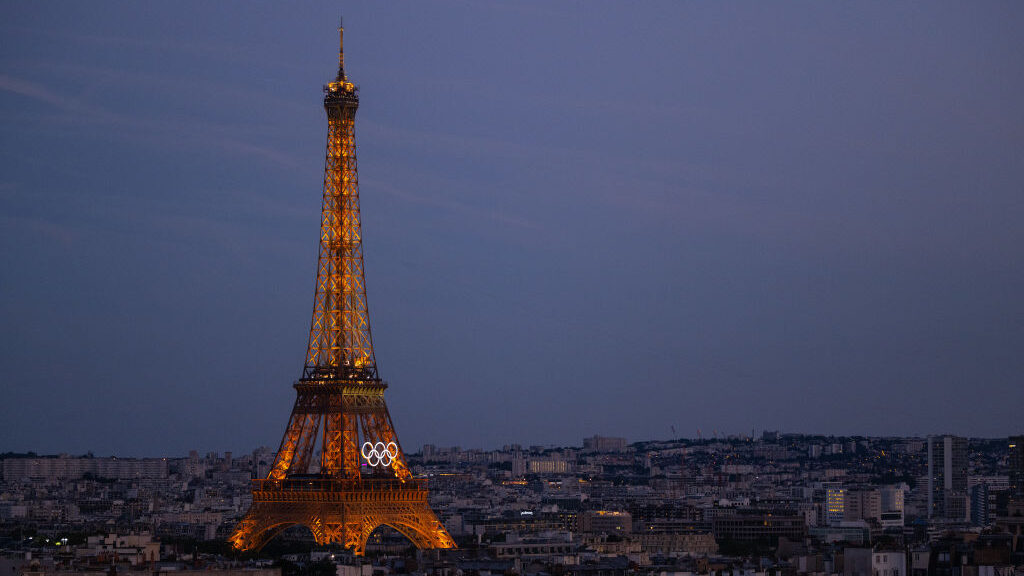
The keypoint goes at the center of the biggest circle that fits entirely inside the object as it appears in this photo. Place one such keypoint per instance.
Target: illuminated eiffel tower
(361, 480)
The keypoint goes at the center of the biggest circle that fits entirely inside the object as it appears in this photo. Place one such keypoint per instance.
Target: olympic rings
(379, 454)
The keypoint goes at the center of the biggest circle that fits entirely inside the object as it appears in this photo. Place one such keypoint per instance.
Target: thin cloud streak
(140, 128)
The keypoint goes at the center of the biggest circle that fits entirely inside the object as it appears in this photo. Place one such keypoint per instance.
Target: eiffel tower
(360, 479)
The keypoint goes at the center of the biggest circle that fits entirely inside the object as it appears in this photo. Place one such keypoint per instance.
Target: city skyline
(614, 220)
(577, 445)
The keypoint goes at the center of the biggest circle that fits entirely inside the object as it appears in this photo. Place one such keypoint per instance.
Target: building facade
(947, 477)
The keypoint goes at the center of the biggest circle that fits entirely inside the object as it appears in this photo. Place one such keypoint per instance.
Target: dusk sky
(578, 218)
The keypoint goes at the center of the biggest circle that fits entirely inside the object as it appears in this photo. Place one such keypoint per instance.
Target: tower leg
(348, 524)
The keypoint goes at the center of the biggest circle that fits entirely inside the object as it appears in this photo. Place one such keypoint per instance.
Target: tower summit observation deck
(340, 470)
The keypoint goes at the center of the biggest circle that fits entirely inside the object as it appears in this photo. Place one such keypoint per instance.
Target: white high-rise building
(947, 477)
(892, 505)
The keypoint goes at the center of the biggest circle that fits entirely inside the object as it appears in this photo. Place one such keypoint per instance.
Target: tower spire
(341, 50)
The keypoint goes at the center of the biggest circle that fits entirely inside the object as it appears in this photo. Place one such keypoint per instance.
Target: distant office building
(518, 465)
(995, 483)
(604, 444)
(678, 544)
(193, 466)
(947, 477)
(759, 526)
(979, 495)
(853, 533)
(548, 466)
(835, 503)
(891, 497)
(891, 500)
(56, 469)
(606, 521)
(262, 460)
(1016, 446)
(864, 504)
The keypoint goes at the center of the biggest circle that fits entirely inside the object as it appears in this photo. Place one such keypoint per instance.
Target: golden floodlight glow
(362, 480)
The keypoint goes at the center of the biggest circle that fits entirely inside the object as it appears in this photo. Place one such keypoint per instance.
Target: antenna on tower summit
(341, 50)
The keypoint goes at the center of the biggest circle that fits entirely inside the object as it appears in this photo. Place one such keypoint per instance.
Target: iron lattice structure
(360, 480)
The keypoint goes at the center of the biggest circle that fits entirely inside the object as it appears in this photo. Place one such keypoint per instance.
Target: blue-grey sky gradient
(579, 218)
